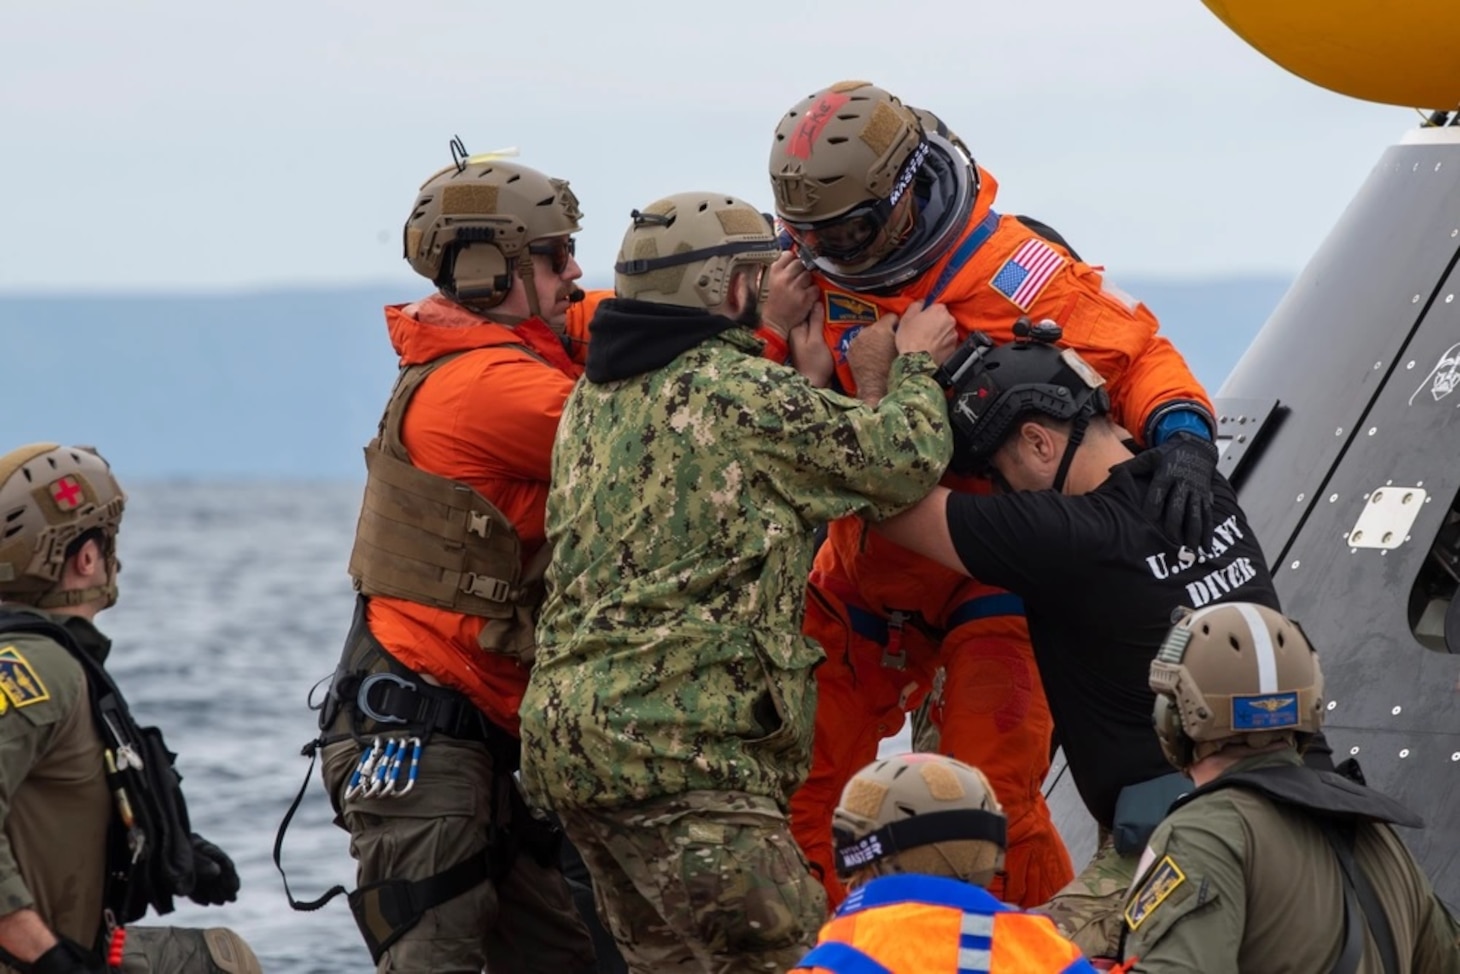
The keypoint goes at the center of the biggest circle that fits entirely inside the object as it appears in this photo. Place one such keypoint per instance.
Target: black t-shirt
(1100, 583)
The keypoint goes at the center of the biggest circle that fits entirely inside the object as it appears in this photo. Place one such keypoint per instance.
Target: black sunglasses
(560, 250)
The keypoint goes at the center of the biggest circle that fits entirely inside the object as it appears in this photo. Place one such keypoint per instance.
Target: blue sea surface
(234, 602)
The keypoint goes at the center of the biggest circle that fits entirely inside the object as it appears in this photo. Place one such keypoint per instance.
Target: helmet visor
(845, 238)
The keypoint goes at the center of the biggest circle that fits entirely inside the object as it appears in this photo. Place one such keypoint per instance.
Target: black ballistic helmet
(1028, 375)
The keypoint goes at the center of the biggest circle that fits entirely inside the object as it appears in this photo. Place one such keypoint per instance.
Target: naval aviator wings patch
(19, 683)
(1266, 710)
(1160, 883)
(848, 309)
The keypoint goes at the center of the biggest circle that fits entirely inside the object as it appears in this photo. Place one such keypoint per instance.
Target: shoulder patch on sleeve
(1161, 882)
(20, 685)
(1023, 276)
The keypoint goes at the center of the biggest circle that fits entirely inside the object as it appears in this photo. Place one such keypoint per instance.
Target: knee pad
(230, 953)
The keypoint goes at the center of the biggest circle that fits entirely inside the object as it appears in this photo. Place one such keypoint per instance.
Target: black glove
(1180, 498)
(215, 881)
(68, 957)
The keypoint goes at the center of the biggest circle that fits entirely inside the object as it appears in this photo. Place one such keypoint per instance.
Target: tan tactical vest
(437, 541)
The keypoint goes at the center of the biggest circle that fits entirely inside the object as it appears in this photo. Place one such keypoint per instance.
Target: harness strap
(312, 751)
(870, 624)
(1358, 891)
(986, 607)
(387, 703)
(963, 254)
(395, 700)
(386, 911)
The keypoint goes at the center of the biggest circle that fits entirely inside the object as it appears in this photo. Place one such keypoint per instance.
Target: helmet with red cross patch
(52, 497)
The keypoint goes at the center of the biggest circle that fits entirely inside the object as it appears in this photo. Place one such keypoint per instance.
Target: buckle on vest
(362, 697)
(893, 655)
(478, 524)
(485, 587)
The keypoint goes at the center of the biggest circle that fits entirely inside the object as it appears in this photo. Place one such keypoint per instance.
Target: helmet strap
(79, 596)
(1077, 436)
(57, 599)
(527, 274)
(920, 830)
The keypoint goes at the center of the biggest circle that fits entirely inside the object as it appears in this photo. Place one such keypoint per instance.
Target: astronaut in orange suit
(884, 207)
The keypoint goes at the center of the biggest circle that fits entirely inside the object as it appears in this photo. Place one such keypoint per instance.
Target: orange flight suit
(889, 619)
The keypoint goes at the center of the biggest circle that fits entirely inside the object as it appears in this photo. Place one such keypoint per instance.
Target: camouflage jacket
(682, 510)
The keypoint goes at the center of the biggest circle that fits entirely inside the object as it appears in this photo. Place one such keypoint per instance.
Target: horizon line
(288, 288)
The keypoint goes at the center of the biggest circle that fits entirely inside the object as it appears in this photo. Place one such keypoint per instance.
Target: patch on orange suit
(1024, 275)
(846, 309)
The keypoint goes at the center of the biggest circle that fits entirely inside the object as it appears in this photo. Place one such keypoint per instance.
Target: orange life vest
(933, 925)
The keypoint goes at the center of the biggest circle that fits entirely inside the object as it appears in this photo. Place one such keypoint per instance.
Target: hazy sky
(191, 144)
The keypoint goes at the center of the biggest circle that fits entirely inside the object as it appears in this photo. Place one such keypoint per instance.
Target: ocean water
(234, 603)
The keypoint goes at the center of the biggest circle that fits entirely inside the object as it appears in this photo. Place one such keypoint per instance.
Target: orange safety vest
(933, 925)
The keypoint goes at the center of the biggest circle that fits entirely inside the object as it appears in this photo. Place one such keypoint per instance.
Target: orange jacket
(487, 418)
(1015, 272)
(932, 925)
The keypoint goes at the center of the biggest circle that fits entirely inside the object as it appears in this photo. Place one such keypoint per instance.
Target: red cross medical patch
(67, 493)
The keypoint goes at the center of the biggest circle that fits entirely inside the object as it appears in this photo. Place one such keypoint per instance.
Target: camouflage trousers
(1088, 911)
(523, 923)
(182, 950)
(700, 883)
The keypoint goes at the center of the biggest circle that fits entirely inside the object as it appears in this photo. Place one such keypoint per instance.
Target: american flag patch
(1025, 274)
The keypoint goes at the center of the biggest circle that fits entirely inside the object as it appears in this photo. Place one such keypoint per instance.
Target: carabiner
(360, 778)
(415, 765)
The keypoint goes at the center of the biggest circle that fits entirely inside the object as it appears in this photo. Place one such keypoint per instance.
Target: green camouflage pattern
(1087, 911)
(708, 881)
(682, 512)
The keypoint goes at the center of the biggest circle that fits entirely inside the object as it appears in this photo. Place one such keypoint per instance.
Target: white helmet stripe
(1267, 681)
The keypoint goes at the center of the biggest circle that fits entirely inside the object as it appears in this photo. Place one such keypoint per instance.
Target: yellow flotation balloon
(1396, 52)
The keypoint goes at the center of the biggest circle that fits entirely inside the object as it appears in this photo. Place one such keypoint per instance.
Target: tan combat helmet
(50, 495)
(845, 166)
(1234, 673)
(473, 220)
(919, 813)
(684, 249)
